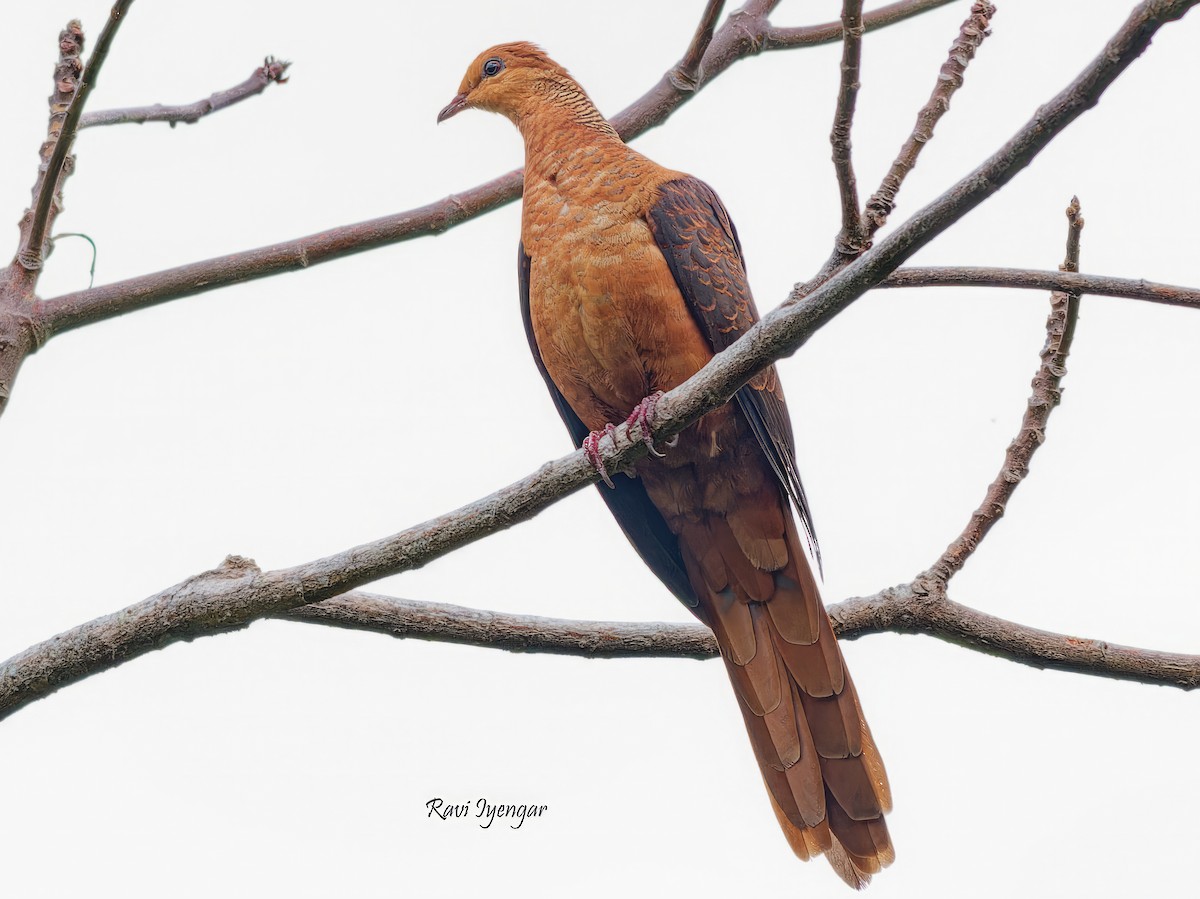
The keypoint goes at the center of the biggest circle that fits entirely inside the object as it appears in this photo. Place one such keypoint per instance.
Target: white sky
(292, 417)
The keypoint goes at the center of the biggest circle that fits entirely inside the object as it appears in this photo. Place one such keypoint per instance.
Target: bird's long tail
(822, 770)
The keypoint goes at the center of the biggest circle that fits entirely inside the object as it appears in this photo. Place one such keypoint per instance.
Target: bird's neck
(560, 120)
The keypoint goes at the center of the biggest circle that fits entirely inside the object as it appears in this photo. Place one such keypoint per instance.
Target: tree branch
(689, 72)
(238, 592)
(19, 333)
(777, 38)
(66, 82)
(1031, 279)
(446, 623)
(894, 610)
(850, 239)
(272, 71)
(30, 257)
(1060, 329)
(902, 610)
(950, 79)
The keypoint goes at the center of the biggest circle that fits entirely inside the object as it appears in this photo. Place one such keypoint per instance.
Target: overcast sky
(289, 418)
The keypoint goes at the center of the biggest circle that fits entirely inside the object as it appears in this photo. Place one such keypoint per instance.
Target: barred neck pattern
(558, 107)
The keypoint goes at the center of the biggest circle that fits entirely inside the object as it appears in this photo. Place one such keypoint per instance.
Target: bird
(631, 278)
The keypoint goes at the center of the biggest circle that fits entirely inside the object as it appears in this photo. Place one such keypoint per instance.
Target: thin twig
(970, 36)
(1032, 279)
(237, 593)
(272, 71)
(850, 239)
(66, 82)
(950, 79)
(1047, 393)
(777, 38)
(30, 257)
(688, 74)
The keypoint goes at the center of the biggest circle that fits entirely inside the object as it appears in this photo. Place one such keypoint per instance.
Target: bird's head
(506, 79)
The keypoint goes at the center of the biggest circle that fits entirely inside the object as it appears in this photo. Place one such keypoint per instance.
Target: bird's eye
(492, 67)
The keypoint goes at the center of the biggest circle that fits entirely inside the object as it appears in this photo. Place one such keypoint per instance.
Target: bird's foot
(642, 417)
(591, 449)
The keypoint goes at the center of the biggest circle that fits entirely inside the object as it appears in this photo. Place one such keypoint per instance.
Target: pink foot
(643, 417)
(591, 449)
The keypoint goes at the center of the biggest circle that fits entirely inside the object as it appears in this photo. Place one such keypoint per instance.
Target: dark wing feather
(642, 523)
(701, 246)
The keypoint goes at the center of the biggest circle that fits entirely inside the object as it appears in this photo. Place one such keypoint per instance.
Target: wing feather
(701, 246)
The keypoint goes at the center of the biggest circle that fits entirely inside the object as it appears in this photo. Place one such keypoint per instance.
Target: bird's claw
(642, 416)
(591, 449)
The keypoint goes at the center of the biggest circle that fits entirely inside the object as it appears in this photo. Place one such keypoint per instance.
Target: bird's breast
(609, 320)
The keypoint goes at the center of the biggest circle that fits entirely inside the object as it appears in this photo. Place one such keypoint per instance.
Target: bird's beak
(455, 106)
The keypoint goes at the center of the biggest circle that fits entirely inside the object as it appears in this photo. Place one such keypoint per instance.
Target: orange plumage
(631, 278)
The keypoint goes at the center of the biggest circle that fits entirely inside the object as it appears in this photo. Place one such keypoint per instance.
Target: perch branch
(850, 239)
(1047, 393)
(238, 592)
(272, 71)
(30, 257)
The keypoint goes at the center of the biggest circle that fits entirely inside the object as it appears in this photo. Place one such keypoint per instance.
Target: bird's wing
(701, 246)
(642, 523)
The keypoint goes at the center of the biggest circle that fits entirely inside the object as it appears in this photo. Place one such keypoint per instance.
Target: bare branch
(445, 623)
(17, 336)
(777, 38)
(272, 71)
(30, 257)
(1031, 279)
(850, 240)
(894, 610)
(68, 658)
(902, 610)
(688, 73)
(1060, 328)
(950, 79)
(66, 81)
(20, 335)
(1047, 395)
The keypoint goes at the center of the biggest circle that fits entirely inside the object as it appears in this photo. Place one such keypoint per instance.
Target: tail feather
(823, 773)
